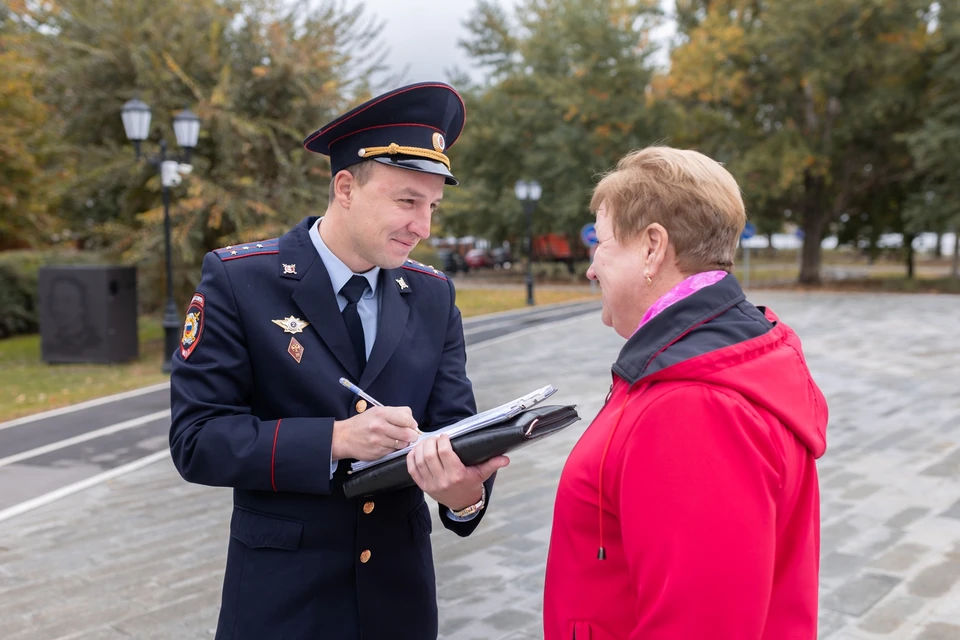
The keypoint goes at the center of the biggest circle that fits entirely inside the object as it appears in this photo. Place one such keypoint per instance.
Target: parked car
(502, 258)
(478, 259)
(452, 262)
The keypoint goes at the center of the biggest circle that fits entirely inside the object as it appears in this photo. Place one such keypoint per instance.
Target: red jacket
(697, 482)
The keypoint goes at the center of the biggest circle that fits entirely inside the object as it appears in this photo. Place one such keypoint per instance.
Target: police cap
(410, 128)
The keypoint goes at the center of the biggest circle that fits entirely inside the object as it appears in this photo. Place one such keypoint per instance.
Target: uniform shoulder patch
(413, 265)
(192, 326)
(256, 248)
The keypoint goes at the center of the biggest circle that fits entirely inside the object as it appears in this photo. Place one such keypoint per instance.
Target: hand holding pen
(375, 432)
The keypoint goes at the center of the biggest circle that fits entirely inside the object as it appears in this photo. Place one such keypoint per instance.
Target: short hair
(361, 172)
(696, 200)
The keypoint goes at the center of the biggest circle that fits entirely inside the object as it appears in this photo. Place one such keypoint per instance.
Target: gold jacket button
(368, 507)
(361, 405)
(365, 556)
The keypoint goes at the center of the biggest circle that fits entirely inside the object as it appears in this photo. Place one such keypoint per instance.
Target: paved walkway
(142, 556)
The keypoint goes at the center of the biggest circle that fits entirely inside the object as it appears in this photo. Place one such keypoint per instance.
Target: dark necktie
(353, 291)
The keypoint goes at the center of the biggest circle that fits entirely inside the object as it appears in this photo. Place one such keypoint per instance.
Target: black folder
(474, 447)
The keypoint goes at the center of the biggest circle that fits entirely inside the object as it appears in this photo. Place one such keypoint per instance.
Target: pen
(360, 392)
(363, 394)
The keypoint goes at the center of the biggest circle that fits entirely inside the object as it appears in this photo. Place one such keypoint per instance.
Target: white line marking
(84, 405)
(63, 492)
(526, 332)
(543, 315)
(83, 437)
(76, 487)
(523, 311)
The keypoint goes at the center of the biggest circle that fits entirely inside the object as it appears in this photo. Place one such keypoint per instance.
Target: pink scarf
(690, 285)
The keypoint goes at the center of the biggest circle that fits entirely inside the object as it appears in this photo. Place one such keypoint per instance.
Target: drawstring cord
(602, 552)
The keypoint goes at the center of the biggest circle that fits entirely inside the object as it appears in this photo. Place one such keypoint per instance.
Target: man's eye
(408, 202)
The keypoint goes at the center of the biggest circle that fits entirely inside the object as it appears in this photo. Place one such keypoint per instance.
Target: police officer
(257, 406)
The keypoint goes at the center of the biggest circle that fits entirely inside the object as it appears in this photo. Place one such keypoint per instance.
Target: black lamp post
(186, 126)
(528, 193)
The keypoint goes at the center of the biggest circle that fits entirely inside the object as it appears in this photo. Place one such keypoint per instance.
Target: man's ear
(344, 188)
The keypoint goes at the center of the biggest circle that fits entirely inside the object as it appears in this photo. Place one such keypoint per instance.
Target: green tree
(805, 98)
(261, 74)
(567, 96)
(935, 144)
(24, 142)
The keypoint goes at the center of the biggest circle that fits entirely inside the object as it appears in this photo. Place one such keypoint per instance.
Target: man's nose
(591, 274)
(420, 225)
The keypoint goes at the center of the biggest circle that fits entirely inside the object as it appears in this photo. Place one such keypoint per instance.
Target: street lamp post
(186, 126)
(528, 193)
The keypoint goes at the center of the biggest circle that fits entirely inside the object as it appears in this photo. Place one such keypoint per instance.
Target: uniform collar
(340, 273)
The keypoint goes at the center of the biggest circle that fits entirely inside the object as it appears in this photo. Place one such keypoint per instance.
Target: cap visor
(421, 165)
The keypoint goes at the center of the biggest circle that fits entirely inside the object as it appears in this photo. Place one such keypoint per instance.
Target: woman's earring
(647, 276)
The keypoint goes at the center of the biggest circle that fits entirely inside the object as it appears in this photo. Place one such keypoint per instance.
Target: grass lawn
(476, 302)
(898, 284)
(29, 385)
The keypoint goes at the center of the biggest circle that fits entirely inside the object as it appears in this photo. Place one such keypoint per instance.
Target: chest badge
(403, 284)
(291, 324)
(289, 269)
(295, 349)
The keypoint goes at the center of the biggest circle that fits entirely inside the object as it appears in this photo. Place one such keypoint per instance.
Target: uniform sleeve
(700, 479)
(214, 438)
(452, 400)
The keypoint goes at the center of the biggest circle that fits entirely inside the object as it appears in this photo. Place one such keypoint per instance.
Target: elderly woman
(689, 509)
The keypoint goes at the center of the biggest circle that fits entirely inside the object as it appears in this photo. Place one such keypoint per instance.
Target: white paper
(474, 422)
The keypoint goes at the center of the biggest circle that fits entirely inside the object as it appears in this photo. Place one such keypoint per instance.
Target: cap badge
(439, 144)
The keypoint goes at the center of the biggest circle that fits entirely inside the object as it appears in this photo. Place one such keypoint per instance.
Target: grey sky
(424, 33)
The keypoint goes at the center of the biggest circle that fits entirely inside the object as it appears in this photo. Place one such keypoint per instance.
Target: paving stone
(511, 619)
(907, 517)
(937, 580)
(856, 596)
(888, 618)
(834, 535)
(830, 623)
(142, 556)
(948, 467)
(860, 491)
(840, 564)
(900, 558)
(940, 631)
(953, 511)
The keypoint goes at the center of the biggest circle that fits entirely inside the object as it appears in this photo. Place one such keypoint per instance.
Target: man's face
(391, 213)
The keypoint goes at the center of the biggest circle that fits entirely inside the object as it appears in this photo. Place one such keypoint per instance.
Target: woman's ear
(654, 242)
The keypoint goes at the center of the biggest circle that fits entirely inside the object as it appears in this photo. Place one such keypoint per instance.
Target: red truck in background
(551, 246)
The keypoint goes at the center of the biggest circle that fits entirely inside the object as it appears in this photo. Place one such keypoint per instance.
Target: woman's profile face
(618, 269)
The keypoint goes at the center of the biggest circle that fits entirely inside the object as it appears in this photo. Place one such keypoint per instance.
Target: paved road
(38, 456)
(142, 556)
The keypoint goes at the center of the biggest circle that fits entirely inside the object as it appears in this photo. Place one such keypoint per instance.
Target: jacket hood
(716, 337)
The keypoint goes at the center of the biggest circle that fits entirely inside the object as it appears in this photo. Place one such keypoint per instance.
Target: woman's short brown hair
(696, 200)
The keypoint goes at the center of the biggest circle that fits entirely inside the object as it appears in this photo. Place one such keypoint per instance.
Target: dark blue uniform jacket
(303, 561)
